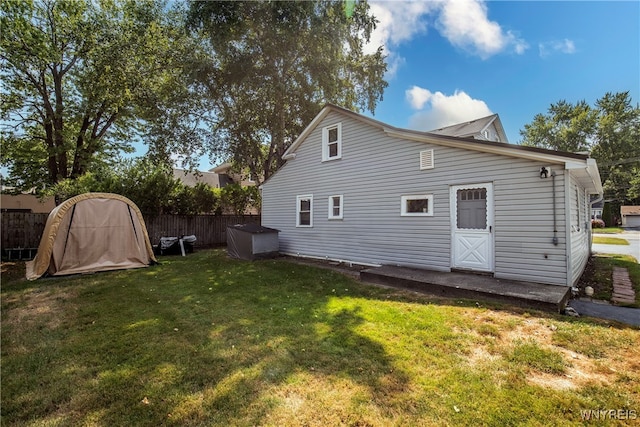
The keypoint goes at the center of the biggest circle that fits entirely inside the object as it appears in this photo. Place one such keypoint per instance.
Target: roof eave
(486, 146)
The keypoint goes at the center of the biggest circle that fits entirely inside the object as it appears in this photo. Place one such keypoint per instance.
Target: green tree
(205, 198)
(237, 199)
(610, 130)
(566, 127)
(617, 147)
(82, 80)
(275, 64)
(150, 186)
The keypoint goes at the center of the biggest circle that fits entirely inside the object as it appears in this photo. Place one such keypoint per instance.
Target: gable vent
(426, 159)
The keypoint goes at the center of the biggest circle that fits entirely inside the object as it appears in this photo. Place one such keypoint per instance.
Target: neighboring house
(218, 177)
(29, 203)
(357, 190)
(225, 169)
(630, 216)
(597, 208)
(486, 128)
(190, 179)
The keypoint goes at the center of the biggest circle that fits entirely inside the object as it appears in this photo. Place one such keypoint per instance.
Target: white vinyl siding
(579, 230)
(377, 170)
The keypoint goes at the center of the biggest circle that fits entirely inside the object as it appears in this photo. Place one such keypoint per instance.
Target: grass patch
(609, 240)
(530, 354)
(599, 271)
(608, 230)
(592, 342)
(206, 340)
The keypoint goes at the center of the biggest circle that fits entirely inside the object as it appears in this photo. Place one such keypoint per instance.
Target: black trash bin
(252, 241)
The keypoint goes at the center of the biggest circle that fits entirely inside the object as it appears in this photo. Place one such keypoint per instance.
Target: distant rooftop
(474, 128)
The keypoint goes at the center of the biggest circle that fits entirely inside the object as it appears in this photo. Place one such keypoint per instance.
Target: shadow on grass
(205, 340)
(200, 340)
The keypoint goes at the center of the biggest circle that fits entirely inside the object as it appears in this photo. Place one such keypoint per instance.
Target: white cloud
(465, 24)
(418, 96)
(398, 22)
(443, 110)
(565, 46)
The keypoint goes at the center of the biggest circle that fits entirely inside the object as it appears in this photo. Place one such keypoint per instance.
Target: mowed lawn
(205, 340)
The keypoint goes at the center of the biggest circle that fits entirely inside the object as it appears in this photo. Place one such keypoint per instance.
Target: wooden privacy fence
(21, 231)
(210, 230)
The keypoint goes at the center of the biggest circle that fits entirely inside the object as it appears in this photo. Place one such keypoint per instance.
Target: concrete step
(470, 286)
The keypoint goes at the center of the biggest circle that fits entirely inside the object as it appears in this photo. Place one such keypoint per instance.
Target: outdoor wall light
(545, 171)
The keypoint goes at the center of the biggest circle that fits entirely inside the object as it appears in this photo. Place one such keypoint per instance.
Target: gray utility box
(252, 241)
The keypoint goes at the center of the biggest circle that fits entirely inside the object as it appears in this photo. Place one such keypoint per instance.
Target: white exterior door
(472, 245)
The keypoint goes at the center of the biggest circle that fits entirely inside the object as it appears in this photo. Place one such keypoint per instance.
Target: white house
(630, 216)
(357, 190)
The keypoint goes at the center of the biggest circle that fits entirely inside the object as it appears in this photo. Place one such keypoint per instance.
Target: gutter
(555, 221)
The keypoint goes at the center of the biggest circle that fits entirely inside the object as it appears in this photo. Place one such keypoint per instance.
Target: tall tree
(275, 64)
(617, 147)
(82, 80)
(610, 130)
(566, 127)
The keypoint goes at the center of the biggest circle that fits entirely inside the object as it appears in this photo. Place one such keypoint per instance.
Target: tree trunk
(58, 127)
(52, 165)
(76, 170)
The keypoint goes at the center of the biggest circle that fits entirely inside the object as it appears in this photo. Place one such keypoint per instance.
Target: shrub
(607, 215)
(597, 223)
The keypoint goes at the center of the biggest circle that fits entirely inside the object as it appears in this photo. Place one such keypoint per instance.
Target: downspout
(555, 221)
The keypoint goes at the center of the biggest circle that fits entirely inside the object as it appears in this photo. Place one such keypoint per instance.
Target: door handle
(490, 228)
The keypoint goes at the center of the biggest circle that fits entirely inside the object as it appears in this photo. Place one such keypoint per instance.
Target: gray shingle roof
(190, 179)
(473, 128)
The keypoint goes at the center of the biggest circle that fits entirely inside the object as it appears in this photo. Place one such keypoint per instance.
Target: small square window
(417, 205)
(335, 207)
(332, 142)
(304, 211)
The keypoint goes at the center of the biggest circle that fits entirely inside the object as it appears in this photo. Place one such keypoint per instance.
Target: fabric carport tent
(92, 232)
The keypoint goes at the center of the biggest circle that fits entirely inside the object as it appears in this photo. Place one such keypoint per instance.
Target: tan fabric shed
(92, 232)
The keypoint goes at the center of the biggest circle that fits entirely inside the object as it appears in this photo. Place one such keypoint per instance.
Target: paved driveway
(633, 249)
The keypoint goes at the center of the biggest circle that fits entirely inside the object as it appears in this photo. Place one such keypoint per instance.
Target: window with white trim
(417, 205)
(304, 211)
(335, 207)
(332, 142)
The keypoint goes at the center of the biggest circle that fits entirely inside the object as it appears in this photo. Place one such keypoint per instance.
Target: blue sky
(452, 61)
(456, 60)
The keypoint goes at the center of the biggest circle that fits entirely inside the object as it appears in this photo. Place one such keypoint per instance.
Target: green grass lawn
(205, 340)
(609, 240)
(599, 271)
(608, 230)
